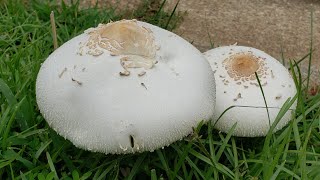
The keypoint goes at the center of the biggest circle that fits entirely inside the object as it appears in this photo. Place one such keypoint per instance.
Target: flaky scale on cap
(236, 84)
(92, 100)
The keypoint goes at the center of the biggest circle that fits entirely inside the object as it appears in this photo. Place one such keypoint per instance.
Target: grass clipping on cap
(31, 150)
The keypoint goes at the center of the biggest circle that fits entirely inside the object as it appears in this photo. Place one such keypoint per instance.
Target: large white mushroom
(125, 87)
(237, 85)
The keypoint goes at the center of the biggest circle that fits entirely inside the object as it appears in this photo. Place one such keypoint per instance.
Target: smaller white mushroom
(237, 85)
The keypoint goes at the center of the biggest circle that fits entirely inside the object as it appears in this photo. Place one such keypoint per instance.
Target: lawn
(31, 150)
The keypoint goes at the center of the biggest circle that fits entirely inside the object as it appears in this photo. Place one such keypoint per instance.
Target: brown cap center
(244, 64)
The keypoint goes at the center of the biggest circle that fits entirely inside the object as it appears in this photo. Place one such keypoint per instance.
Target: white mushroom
(168, 88)
(237, 85)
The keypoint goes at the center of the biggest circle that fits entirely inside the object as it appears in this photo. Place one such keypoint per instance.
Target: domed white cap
(125, 87)
(236, 83)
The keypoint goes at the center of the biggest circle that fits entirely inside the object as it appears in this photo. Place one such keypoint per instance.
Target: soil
(274, 26)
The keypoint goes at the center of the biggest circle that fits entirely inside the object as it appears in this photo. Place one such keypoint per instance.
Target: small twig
(63, 71)
(141, 73)
(142, 84)
(78, 82)
(54, 31)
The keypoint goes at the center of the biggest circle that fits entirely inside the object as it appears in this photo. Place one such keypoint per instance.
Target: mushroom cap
(236, 84)
(83, 98)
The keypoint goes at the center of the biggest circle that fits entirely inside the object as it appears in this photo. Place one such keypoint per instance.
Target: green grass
(31, 150)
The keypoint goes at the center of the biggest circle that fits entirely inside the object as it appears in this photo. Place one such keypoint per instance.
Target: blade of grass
(156, 16)
(5, 90)
(223, 169)
(277, 172)
(211, 147)
(225, 142)
(235, 157)
(181, 158)
(164, 163)
(171, 15)
(9, 124)
(301, 60)
(51, 165)
(264, 98)
(279, 152)
(153, 174)
(296, 134)
(42, 148)
(11, 170)
(136, 166)
(311, 47)
(195, 167)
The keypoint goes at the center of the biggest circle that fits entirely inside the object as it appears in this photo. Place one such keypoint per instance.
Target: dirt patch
(122, 5)
(272, 26)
